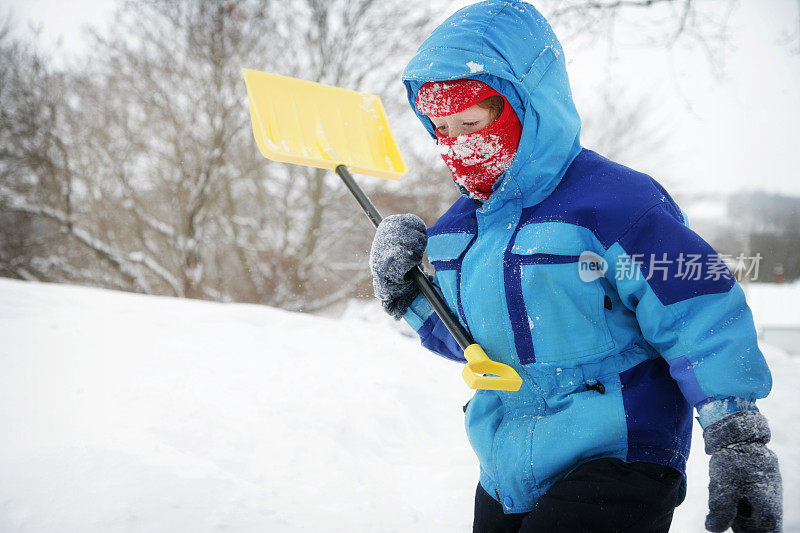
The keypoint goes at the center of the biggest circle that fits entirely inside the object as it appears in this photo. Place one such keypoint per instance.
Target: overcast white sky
(738, 131)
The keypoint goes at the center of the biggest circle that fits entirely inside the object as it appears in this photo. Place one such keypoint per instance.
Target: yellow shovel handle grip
(478, 363)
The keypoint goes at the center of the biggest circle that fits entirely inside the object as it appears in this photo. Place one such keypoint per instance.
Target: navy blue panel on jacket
(460, 218)
(600, 195)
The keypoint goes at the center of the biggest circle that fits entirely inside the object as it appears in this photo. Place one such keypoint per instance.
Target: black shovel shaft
(361, 198)
(417, 275)
(437, 302)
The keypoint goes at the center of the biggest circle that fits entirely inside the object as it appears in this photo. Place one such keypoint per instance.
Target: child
(583, 275)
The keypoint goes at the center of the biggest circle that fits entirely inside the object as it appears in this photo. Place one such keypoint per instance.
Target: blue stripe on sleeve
(682, 371)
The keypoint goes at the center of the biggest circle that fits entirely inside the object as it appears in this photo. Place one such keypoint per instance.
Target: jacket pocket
(482, 417)
(557, 314)
(587, 425)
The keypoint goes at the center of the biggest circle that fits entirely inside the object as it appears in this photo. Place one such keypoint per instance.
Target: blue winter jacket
(612, 362)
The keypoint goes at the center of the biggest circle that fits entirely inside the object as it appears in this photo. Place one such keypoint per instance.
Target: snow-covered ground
(124, 412)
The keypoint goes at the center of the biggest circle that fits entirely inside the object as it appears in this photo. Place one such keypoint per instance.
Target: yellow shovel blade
(306, 123)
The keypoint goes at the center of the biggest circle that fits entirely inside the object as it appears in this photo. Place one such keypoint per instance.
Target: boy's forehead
(474, 112)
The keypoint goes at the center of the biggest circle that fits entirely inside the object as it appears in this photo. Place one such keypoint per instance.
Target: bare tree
(37, 189)
(621, 129)
(158, 175)
(134, 166)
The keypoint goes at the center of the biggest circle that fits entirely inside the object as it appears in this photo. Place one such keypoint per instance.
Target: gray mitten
(398, 246)
(745, 491)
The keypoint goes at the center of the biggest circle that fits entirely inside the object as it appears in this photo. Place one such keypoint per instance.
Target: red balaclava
(477, 159)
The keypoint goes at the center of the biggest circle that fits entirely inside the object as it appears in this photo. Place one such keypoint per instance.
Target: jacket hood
(509, 46)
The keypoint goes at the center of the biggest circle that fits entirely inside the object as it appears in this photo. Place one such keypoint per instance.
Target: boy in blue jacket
(584, 276)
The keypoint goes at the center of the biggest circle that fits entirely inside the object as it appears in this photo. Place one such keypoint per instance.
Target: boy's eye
(470, 123)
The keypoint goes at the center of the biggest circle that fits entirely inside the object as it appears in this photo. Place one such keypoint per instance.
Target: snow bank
(124, 412)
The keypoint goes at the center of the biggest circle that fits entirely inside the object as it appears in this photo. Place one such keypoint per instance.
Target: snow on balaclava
(477, 159)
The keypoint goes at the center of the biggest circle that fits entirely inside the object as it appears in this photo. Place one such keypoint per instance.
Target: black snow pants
(606, 495)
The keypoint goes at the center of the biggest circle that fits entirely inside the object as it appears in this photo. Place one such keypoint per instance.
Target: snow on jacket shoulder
(580, 273)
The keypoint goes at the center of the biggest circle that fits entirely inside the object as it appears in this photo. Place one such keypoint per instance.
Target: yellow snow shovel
(307, 123)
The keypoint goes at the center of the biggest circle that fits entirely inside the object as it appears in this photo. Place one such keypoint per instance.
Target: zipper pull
(596, 385)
